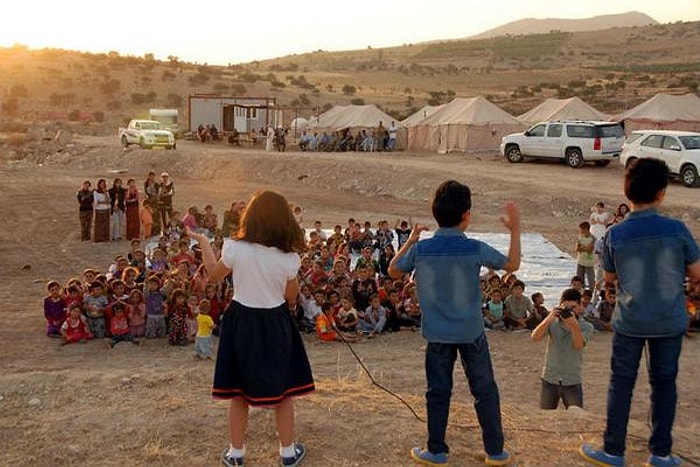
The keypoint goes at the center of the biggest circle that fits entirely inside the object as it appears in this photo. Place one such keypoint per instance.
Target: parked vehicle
(679, 149)
(575, 142)
(147, 134)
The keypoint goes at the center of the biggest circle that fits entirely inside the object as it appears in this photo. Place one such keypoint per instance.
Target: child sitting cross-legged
(75, 327)
(494, 311)
(347, 314)
(374, 317)
(326, 329)
(119, 326)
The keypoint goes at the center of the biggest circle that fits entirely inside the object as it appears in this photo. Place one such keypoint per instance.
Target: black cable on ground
(685, 458)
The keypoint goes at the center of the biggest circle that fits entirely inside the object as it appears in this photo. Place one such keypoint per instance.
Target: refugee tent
(562, 109)
(421, 115)
(356, 118)
(663, 112)
(465, 124)
(298, 123)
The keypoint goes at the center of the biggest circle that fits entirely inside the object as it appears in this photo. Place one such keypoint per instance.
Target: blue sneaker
(658, 461)
(299, 454)
(229, 461)
(498, 459)
(425, 457)
(600, 457)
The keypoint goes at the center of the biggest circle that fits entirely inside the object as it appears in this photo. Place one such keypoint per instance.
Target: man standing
(393, 131)
(567, 334)
(447, 270)
(85, 208)
(649, 256)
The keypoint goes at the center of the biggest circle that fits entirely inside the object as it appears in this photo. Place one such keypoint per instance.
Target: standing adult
(261, 360)
(150, 190)
(85, 209)
(393, 133)
(166, 190)
(649, 256)
(101, 200)
(117, 204)
(270, 142)
(133, 223)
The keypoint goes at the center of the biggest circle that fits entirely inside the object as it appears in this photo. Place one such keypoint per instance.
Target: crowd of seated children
(141, 295)
(505, 307)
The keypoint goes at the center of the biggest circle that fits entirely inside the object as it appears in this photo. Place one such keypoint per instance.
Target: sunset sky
(221, 32)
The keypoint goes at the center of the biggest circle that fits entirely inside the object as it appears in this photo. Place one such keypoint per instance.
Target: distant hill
(541, 26)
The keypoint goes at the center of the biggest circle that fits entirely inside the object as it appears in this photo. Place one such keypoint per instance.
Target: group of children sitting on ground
(346, 292)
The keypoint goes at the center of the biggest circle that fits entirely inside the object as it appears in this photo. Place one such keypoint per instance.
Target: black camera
(565, 313)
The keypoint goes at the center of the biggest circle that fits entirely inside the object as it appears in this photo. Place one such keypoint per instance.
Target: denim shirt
(649, 253)
(447, 277)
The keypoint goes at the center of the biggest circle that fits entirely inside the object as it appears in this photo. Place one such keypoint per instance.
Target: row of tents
(476, 124)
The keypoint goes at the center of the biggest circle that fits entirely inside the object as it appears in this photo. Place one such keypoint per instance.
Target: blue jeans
(663, 368)
(476, 361)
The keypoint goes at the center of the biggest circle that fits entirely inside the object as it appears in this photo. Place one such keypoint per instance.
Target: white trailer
(245, 114)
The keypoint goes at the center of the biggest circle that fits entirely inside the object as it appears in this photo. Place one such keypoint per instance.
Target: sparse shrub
(349, 90)
(221, 87)
(19, 90)
(168, 75)
(238, 89)
(98, 116)
(114, 105)
(174, 100)
(110, 86)
(249, 77)
(278, 84)
(74, 115)
(10, 107)
(357, 101)
(198, 79)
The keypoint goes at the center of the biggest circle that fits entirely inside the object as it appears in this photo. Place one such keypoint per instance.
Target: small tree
(357, 101)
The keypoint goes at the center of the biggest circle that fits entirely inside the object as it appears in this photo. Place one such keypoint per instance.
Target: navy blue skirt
(261, 357)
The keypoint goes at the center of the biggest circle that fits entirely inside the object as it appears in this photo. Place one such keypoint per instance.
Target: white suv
(576, 142)
(679, 149)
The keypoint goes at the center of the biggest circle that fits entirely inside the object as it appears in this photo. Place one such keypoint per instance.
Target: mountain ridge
(526, 26)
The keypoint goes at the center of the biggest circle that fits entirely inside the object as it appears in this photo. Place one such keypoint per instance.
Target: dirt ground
(150, 405)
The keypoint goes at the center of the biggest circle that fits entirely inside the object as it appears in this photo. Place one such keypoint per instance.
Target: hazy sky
(232, 31)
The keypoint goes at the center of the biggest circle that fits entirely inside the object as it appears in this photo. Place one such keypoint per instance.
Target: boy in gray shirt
(567, 334)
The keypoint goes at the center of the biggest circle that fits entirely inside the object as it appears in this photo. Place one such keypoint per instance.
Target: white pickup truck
(147, 134)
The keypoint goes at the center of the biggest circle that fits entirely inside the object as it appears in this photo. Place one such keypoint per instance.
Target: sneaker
(658, 461)
(299, 454)
(498, 459)
(425, 457)
(600, 457)
(230, 461)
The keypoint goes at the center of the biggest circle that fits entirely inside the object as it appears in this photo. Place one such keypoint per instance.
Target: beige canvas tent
(421, 115)
(465, 124)
(664, 112)
(562, 109)
(356, 118)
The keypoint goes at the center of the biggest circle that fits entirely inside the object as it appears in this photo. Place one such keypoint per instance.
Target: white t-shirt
(260, 273)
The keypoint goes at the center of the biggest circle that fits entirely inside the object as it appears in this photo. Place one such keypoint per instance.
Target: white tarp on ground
(544, 267)
(663, 112)
(562, 109)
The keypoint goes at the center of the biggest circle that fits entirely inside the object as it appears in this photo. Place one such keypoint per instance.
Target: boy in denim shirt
(649, 256)
(447, 270)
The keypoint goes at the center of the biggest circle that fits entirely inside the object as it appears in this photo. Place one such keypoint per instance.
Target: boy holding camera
(567, 334)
